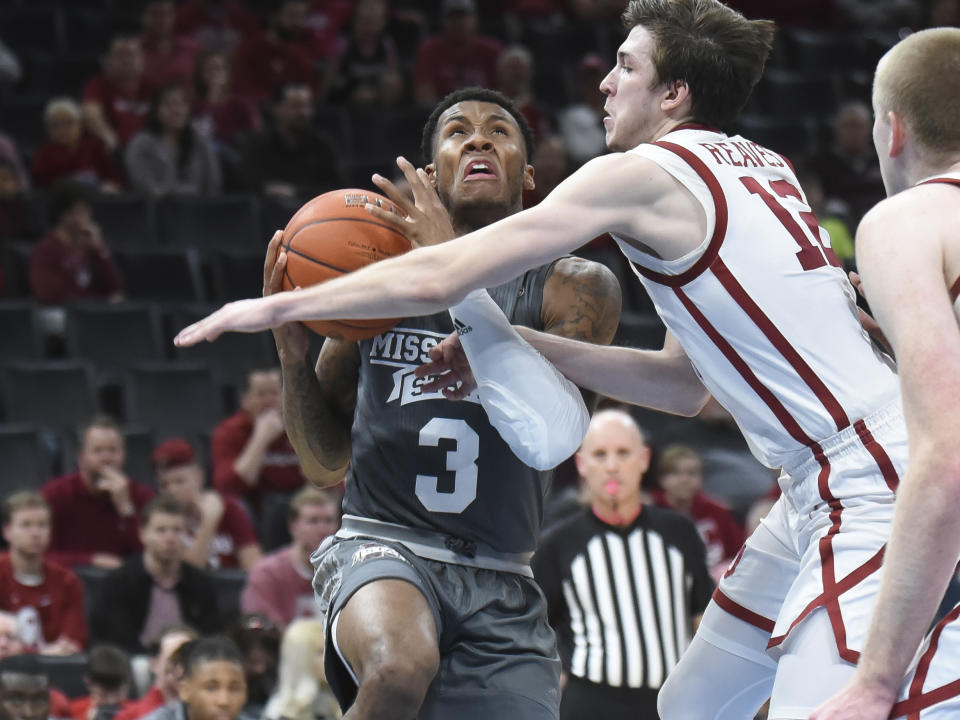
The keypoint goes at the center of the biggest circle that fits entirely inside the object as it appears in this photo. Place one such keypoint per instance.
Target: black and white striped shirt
(621, 599)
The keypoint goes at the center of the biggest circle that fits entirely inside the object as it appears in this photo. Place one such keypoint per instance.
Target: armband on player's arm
(538, 412)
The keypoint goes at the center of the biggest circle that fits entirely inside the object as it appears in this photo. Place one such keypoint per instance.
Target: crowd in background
(138, 134)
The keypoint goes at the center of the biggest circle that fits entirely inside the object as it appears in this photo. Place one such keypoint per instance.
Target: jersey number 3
(461, 461)
(812, 255)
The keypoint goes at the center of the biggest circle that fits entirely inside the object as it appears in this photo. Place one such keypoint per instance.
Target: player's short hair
(101, 421)
(718, 52)
(160, 505)
(23, 500)
(108, 666)
(212, 649)
(428, 139)
(311, 496)
(919, 79)
(671, 456)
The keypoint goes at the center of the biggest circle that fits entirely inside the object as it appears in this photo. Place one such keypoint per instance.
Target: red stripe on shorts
(739, 611)
(879, 455)
(923, 667)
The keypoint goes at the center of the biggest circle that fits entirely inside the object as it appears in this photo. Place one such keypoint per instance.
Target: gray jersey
(421, 460)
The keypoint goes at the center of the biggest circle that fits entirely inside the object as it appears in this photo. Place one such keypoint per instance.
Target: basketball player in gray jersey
(430, 605)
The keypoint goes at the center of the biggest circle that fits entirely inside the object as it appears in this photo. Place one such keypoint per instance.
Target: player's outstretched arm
(657, 379)
(903, 277)
(610, 193)
(318, 403)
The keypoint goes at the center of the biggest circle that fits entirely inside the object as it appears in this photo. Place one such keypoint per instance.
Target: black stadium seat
(126, 220)
(20, 330)
(237, 272)
(229, 584)
(225, 221)
(173, 400)
(24, 457)
(55, 394)
(161, 273)
(113, 337)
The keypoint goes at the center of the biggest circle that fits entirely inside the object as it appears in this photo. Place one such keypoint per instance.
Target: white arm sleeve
(538, 412)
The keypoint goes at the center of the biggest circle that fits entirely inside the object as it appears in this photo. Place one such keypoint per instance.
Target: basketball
(332, 235)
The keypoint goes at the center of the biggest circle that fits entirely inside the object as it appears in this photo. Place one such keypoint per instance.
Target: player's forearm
(315, 428)
(920, 560)
(649, 378)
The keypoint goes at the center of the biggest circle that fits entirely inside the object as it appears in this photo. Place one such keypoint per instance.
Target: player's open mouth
(479, 170)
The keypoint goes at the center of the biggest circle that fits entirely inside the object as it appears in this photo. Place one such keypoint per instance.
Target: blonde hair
(61, 105)
(672, 455)
(299, 688)
(919, 79)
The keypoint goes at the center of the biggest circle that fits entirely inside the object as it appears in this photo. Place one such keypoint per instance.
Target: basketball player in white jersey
(908, 253)
(759, 314)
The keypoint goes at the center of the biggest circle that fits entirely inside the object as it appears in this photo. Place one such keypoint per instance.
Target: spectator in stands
(259, 643)
(167, 668)
(71, 153)
(25, 692)
(107, 677)
(288, 45)
(10, 153)
(849, 169)
(581, 124)
(456, 58)
(280, 585)
(515, 80)
(73, 260)
(213, 685)
(216, 24)
(302, 690)
(646, 561)
(365, 69)
(18, 220)
(95, 510)
(116, 101)
(290, 160)
(680, 473)
(219, 533)
(553, 165)
(249, 450)
(156, 588)
(168, 156)
(220, 113)
(47, 598)
(168, 57)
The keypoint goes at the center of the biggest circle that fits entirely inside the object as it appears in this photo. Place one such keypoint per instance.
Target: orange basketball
(333, 235)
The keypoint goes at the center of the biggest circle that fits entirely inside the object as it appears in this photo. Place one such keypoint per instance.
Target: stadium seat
(786, 94)
(21, 117)
(818, 51)
(793, 137)
(94, 579)
(16, 268)
(384, 135)
(20, 330)
(29, 28)
(157, 273)
(225, 221)
(89, 29)
(172, 400)
(126, 220)
(65, 673)
(113, 337)
(229, 584)
(55, 74)
(55, 394)
(273, 530)
(25, 457)
(231, 356)
(237, 273)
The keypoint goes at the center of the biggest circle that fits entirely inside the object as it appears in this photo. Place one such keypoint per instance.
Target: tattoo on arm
(581, 301)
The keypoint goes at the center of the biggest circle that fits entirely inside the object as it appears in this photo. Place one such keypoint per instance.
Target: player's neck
(619, 515)
(467, 220)
(26, 563)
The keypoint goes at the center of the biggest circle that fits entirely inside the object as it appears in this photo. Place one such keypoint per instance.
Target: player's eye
(500, 130)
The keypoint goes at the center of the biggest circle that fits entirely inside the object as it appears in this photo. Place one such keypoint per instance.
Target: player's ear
(528, 181)
(676, 93)
(898, 134)
(431, 171)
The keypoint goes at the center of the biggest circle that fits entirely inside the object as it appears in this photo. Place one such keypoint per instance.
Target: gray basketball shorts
(498, 655)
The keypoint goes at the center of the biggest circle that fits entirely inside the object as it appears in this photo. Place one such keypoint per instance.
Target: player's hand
(449, 363)
(249, 316)
(856, 702)
(291, 338)
(427, 221)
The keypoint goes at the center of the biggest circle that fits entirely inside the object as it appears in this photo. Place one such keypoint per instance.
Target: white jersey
(762, 307)
(950, 179)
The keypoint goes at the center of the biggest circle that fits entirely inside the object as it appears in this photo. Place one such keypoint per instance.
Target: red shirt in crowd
(279, 588)
(229, 121)
(124, 111)
(171, 66)
(234, 532)
(260, 66)
(718, 528)
(281, 468)
(59, 273)
(144, 706)
(85, 523)
(88, 162)
(446, 67)
(216, 24)
(47, 611)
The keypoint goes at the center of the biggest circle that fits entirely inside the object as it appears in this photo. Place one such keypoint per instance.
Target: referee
(624, 582)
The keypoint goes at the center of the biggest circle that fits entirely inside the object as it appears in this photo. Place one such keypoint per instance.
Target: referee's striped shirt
(621, 599)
